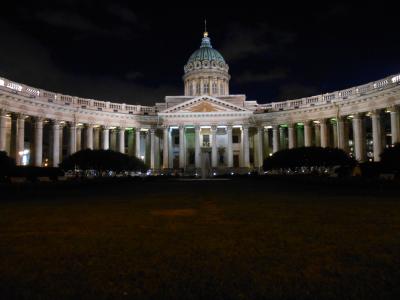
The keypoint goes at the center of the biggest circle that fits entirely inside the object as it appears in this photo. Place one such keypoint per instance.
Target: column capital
(229, 128)
(20, 116)
(3, 112)
(291, 125)
(245, 126)
(197, 127)
(56, 123)
(358, 115)
(376, 112)
(213, 127)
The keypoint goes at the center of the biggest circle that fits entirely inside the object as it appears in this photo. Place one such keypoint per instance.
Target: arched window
(214, 88)
(198, 88)
(205, 88)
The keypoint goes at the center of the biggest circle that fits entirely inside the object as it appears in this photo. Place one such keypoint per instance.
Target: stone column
(121, 139)
(292, 135)
(165, 147)
(152, 149)
(343, 135)
(72, 139)
(96, 137)
(259, 147)
(317, 135)
(324, 133)
(334, 132)
(3, 130)
(79, 138)
(394, 125)
(307, 134)
(56, 143)
(89, 136)
(38, 142)
(266, 145)
(131, 150)
(105, 138)
(197, 161)
(246, 152)
(376, 134)
(113, 139)
(229, 149)
(214, 150)
(275, 138)
(137, 142)
(282, 138)
(358, 138)
(182, 162)
(19, 138)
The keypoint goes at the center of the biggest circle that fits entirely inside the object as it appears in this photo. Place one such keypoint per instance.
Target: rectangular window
(206, 140)
(176, 140)
(235, 139)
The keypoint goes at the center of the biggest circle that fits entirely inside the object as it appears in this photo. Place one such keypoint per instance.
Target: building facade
(207, 129)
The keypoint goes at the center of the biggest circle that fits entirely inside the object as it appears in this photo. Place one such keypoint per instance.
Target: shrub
(102, 160)
(7, 164)
(390, 159)
(308, 157)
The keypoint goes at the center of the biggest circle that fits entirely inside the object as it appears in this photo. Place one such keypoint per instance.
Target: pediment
(204, 104)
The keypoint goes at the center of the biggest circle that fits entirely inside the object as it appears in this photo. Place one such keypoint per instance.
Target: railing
(83, 103)
(75, 102)
(337, 96)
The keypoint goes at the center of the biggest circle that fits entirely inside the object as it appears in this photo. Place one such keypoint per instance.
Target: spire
(205, 42)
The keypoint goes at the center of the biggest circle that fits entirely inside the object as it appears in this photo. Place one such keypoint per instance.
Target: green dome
(206, 52)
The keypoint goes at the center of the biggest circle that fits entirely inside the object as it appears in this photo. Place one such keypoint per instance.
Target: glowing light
(142, 157)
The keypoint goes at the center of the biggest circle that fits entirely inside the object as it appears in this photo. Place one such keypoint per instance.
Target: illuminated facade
(206, 129)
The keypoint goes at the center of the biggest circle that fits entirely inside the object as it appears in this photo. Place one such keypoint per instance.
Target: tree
(102, 160)
(7, 164)
(390, 159)
(308, 157)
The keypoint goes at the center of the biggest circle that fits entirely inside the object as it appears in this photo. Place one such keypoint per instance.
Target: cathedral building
(205, 130)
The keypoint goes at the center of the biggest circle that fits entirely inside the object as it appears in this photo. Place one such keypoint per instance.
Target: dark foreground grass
(240, 239)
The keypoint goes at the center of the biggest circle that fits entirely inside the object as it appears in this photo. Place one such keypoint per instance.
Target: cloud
(125, 14)
(296, 90)
(243, 42)
(83, 24)
(249, 77)
(133, 75)
(29, 62)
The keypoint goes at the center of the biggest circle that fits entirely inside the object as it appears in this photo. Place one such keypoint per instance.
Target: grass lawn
(238, 239)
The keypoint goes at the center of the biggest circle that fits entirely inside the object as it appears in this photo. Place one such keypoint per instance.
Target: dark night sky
(111, 50)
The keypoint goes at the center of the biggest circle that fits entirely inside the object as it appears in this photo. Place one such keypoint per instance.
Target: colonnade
(336, 132)
(246, 148)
